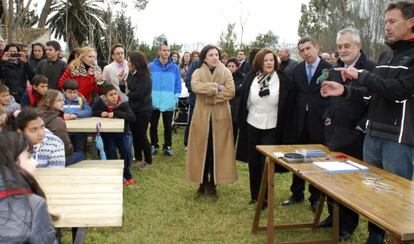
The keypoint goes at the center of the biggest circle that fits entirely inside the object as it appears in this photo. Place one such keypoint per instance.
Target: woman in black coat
(233, 65)
(140, 86)
(265, 115)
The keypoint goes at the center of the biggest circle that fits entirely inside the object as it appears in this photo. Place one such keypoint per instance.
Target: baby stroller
(181, 115)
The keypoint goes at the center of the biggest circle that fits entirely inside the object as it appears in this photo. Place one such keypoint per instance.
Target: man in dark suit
(309, 110)
(245, 67)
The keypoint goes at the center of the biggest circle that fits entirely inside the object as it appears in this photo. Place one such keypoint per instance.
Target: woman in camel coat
(211, 148)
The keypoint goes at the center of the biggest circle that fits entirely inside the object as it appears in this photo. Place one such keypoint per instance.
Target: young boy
(7, 101)
(34, 94)
(48, 149)
(111, 105)
(75, 106)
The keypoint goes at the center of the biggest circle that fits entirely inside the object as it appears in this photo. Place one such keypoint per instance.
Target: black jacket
(140, 87)
(310, 95)
(345, 119)
(121, 110)
(235, 101)
(245, 68)
(15, 76)
(53, 70)
(288, 66)
(284, 133)
(391, 87)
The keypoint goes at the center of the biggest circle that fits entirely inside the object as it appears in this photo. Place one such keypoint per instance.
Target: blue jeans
(122, 142)
(393, 157)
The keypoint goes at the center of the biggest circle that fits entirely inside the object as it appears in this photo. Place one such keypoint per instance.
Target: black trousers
(235, 133)
(348, 219)
(187, 127)
(298, 185)
(256, 159)
(139, 135)
(167, 117)
(209, 163)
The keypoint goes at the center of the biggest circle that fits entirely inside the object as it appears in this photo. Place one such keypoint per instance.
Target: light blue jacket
(166, 85)
(79, 107)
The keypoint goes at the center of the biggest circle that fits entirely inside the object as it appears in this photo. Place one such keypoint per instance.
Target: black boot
(211, 190)
(202, 189)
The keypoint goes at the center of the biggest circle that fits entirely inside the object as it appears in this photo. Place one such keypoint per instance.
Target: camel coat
(211, 105)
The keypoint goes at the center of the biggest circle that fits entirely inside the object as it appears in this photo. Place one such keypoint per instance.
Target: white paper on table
(341, 166)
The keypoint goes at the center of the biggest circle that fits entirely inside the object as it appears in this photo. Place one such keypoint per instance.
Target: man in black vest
(309, 110)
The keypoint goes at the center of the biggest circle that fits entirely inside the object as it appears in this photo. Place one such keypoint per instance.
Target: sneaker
(185, 149)
(168, 152)
(154, 150)
(129, 182)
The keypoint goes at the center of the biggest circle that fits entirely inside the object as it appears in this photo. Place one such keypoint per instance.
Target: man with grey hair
(389, 140)
(345, 121)
(326, 57)
(286, 63)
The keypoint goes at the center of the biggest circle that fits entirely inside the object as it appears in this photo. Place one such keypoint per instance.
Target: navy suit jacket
(310, 94)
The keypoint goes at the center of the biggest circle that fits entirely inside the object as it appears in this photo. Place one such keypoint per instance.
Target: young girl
(51, 108)
(24, 216)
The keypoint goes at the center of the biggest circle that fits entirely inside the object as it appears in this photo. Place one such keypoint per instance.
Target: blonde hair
(83, 52)
(48, 100)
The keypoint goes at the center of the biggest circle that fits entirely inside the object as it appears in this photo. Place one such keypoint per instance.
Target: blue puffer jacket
(166, 85)
(78, 106)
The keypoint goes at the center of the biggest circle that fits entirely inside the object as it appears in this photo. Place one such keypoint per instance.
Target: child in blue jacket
(75, 106)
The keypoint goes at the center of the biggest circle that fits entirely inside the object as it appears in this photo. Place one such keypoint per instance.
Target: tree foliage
(268, 39)
(322, 19)
(227, 41)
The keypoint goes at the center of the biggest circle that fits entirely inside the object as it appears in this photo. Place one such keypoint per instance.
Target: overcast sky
(195, 22)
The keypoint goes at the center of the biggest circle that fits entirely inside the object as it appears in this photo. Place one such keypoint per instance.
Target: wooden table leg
(260, 201)
(80, 236)
(335, 222)
(319, 210)
(395, 240)
(270, 199)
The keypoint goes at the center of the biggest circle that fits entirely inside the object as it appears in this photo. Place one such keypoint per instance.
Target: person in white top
(265, 104)
(116, 72)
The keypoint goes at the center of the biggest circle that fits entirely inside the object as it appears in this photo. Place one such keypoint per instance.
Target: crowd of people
(364, 109)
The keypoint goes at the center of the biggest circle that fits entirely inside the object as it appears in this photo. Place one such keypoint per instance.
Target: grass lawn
(163, 208)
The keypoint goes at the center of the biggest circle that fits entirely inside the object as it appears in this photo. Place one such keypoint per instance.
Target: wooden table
(99, 164)
(89, 125)
(391, 210)
(83, 197)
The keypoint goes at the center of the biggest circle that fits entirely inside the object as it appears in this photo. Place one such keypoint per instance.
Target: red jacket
(86, 83)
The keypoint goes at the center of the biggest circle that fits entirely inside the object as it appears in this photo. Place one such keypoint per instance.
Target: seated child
(7, 101)
(34, 94)
(75, 106)
(111, 105)
(48, 149)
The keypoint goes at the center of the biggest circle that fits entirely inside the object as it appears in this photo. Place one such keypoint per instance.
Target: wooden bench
(83, 197)
(99, 164)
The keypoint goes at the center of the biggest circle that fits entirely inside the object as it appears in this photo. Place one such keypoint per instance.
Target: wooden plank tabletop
(393, 210)
(83, 197)
(89, 125)
(99, 164)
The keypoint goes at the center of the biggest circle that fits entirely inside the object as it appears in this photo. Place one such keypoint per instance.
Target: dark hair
(9, 45)
(252, 54)
(70, 84)
(182, 60)
(41, 46)
(12, 144)
(116, 46)
(204, 52)
(107, 88)
(25, 116)
(193, 53)
(139, 61)
(175, 52)
(307, 39)
(54, 44)
(48, 100)
(241, 50)
(259, 59)
(406, 8)
(4, 88)
(75, 52)
(37, 79)
(163, 43)
(233, 60)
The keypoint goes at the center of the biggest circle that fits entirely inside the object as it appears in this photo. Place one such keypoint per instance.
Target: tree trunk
(45, 13)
